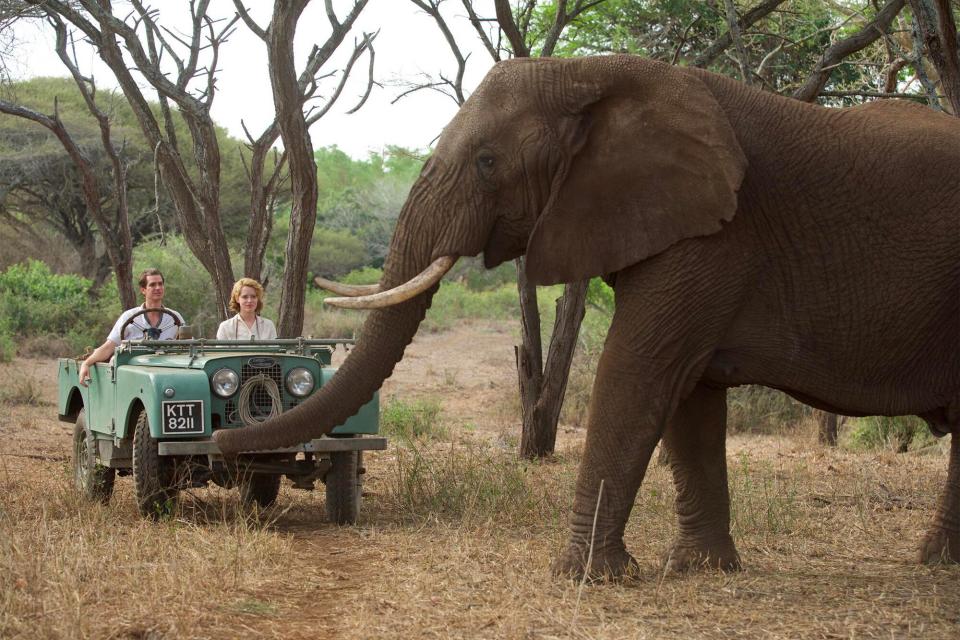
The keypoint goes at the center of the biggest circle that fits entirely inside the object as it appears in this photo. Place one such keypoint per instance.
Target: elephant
(749, 239)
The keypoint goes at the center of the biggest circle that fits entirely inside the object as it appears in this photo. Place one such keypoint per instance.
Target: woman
(247, 300)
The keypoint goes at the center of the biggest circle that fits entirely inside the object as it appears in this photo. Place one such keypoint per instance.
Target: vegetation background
(450, 495)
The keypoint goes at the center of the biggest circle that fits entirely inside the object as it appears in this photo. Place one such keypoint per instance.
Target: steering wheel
(123, 329)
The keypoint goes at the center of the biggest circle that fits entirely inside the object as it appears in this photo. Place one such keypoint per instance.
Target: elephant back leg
(695, 441)
(942, 542)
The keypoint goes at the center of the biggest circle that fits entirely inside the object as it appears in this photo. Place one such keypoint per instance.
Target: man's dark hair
(149, 272)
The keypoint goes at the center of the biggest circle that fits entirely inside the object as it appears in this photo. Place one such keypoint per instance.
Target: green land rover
(151, 411)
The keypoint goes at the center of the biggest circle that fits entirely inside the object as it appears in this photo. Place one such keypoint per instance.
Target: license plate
(182, 417)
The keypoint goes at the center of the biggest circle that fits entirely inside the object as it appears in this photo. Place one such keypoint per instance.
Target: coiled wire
(244, 403)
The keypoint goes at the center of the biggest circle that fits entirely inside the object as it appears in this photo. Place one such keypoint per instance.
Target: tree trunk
(542, 389)
(937, 29)
(827, 432)
(303, 168)
(540, 421)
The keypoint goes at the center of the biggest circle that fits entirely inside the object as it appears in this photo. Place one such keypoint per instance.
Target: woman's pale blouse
(236, 329)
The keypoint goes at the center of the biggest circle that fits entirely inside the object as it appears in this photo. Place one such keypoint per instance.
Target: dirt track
(827, 539)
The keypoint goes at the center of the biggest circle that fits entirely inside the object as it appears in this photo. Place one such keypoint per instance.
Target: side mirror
(185, 332)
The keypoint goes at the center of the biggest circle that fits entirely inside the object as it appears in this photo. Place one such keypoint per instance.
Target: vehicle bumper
(318, 445)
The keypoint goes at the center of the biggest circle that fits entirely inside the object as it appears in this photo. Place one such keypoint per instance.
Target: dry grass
(455, 540)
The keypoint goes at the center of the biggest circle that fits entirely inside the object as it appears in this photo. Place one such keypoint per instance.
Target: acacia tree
(290, 95)
(542, 383)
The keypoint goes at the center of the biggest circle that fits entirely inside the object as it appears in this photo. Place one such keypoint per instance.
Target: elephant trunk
(386, 333)
(384, 336)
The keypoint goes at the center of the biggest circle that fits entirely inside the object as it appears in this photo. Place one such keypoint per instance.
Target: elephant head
(585, 166)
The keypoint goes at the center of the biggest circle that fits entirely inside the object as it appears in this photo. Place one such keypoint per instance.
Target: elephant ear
(660, 163)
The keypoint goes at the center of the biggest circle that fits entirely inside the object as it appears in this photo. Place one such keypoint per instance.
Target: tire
(259, 489)
(153, 477)
(93, 480)
(343, 487)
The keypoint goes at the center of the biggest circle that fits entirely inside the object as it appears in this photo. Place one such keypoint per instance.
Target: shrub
(8, 346)
(335, 252)
(39, 303)
(411, 421)
(898, 433)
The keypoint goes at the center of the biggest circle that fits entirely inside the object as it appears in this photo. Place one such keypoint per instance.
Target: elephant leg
(695, 441)
(942, 542)
(616, 454)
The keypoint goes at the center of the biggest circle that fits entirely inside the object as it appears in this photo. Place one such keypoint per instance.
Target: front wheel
(93, 480)
(343, 487)
(259, 489)
(154, 482)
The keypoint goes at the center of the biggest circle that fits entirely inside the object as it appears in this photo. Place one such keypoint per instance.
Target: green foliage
(187, 284)
(455, 302)
(364, 275)
(334, 252)
(8, 344)
(364, 197)
(39, 303)
(783, 46)
(412, 421)
(600, 296)
(898, 433)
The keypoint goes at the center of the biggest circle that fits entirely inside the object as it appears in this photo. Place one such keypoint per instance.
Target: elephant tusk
(413, 287)
(349, 290)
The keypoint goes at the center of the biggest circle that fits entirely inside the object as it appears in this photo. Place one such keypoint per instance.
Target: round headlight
(225, 382)
(300, 382)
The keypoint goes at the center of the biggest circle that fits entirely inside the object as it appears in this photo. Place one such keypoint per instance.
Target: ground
(456, 536)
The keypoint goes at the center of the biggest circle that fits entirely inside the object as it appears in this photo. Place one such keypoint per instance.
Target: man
(155, 325)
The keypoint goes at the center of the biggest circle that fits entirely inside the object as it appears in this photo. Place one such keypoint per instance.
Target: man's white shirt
(137, 329)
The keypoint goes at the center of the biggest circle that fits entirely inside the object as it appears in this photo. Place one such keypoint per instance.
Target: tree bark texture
(838, 51)
(303, 168)
(937, 28)
(544, 392)
(828, 424)
(196, 202)
(117, 240)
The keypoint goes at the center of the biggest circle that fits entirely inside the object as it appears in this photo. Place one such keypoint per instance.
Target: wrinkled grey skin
(749, 238)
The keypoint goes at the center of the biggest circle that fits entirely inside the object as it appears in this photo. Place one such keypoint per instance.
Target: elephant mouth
(401, 293)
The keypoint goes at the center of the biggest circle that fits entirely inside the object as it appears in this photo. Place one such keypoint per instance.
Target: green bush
(8, 345)
(898, 433)
(364, 275)
(335, 252)
(40, 303)
(189, 289)
(411, 421)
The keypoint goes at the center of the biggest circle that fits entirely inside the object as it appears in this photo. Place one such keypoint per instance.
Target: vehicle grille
(260, 401)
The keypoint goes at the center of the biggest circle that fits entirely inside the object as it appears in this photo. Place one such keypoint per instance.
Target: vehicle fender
(145, 386)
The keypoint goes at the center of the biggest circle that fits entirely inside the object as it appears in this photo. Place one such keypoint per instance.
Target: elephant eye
(485, 161)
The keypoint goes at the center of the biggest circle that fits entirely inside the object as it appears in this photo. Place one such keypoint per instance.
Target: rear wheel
(343, 487)
(93, 480)
(154, 479)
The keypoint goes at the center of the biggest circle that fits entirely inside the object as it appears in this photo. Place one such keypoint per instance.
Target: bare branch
(510, 29)
(257, 30)
(724, 41)
(835, 54)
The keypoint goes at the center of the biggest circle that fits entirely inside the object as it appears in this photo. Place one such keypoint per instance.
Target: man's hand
(84, 374)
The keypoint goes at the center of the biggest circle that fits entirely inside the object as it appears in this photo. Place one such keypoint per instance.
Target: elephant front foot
(605, 564)
(940, 546)
(691, 556)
